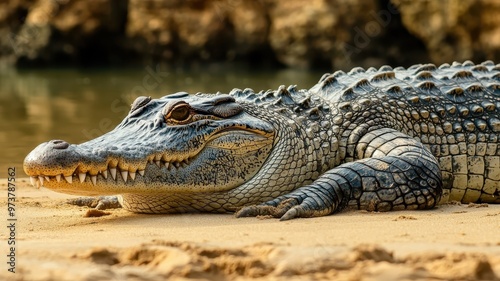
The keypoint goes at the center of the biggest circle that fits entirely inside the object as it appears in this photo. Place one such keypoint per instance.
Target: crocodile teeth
(82, 176)
(47, 178)
(58, 178)
(94, 179)
(167, 165)
(105, 174)
(40, 178)
(69, 179)
(124, 175)
(177, 164)
(157, 162)
(33, 181)
(141, 172)
(132, 175)
(113, 173)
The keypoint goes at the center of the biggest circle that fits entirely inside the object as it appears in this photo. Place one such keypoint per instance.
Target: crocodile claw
(287, 209)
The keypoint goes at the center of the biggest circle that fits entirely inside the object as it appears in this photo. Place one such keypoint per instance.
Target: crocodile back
(454, 110)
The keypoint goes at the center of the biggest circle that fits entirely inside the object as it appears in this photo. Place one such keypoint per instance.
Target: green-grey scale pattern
(452, 109)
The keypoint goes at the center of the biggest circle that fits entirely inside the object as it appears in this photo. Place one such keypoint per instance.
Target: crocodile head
(173, 146)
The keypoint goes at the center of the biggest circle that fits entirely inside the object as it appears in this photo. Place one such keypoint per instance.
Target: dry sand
(56, 242)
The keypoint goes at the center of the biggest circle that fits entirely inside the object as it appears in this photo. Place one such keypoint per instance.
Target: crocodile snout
(49, 158)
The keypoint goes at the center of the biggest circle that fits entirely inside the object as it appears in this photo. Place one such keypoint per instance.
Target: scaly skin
(386, 139)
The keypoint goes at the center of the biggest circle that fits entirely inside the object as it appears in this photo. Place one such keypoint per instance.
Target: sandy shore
(56, 242)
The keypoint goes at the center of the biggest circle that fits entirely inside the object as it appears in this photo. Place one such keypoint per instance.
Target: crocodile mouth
(119, 171)
(114, 172)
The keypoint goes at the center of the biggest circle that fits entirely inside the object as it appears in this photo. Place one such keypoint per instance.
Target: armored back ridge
(385, 139)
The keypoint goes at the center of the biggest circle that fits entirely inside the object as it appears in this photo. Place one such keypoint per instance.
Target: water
(77, 105)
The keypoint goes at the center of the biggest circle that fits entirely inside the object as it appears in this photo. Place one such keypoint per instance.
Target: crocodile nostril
(59, 144)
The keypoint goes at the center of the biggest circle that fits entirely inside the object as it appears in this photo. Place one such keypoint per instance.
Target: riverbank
(54, 241)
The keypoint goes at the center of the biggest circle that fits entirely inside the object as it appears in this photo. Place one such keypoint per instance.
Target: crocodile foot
(284, 208)
(99, 203)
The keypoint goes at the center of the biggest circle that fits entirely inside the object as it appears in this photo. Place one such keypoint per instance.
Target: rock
(206, 30)
(12, 15)
(454, 30)
(313, 34)
(336, 34)
(53, 31)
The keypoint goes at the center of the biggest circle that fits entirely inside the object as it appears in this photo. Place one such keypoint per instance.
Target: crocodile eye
(180, 113)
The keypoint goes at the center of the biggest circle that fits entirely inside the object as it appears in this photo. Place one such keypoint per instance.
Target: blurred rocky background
(307, 34)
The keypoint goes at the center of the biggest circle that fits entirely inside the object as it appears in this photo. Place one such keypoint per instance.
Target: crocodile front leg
(393, 172)
(99, 203)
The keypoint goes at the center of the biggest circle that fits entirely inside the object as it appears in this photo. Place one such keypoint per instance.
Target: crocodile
(375, 139)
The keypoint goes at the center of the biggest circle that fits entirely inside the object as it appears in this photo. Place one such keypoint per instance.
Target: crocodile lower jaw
(113, 172)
